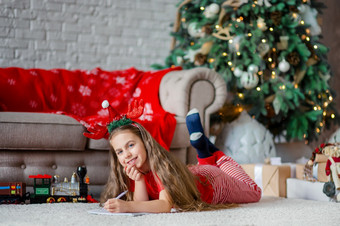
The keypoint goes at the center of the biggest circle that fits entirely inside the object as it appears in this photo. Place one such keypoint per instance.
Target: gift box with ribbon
(319, 166)
(296, 170)
(271, 178)
(302, 189)
(319, 172)
(300, 171)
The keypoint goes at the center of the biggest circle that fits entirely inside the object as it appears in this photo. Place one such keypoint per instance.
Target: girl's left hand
(116, 205)
(133, 173)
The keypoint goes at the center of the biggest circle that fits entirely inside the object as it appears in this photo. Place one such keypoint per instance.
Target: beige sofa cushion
(40, 131)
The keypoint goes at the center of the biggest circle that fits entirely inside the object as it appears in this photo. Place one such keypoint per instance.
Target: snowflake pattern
(127, 86)
(92, 81)
(85, 90)
(34, 73)
(127, 96)
(137, 93)
(148, 113)
(147, 80)
(78, 109)
(104, 76)
(70, 88)
(11, 81)
(53, 98)
(33, 104)
(113, 91)
(120, 80)
(94, 71)
(81, 95)
(115, 103)
(103, 112)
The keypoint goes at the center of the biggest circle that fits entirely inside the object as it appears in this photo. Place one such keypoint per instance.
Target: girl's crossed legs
(232, 184)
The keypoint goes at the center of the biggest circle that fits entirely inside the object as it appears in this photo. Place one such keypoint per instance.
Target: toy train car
(12, 192)
(47, 191)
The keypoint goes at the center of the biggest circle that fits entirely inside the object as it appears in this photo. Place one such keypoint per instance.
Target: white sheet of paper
(105, 212)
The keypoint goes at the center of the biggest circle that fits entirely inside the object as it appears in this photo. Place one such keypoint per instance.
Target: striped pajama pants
(230, 183)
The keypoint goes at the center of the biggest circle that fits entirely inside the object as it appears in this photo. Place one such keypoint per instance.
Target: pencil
(121, 194)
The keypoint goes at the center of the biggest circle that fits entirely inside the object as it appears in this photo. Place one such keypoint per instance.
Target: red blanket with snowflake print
(79, 94)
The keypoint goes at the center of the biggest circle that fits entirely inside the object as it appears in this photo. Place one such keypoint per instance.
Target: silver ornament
(249, 80)
(284, 66)
(238, 72)
(253, 68)
(194, 31)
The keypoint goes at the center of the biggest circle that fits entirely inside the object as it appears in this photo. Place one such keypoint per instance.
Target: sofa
(44, 143)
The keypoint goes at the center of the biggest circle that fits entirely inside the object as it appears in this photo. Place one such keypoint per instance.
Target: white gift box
(302, 189)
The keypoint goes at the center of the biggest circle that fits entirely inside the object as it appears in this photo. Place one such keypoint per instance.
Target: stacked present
(303, 189)
(310, 180)
(291, 180)
(315, 183)
(272, 177)
(315, 169)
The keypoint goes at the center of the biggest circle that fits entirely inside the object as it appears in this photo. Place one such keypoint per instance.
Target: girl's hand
(116, 206)
(133, 173)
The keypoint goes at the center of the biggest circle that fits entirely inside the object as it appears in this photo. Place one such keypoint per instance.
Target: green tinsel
(115, 124)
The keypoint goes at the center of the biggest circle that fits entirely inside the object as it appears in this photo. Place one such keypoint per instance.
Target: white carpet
(269, 211)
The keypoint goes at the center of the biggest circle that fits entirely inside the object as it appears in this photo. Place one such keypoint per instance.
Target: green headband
(118, 123)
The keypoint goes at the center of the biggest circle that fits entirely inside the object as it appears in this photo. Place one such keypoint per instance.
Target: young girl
(156, 181)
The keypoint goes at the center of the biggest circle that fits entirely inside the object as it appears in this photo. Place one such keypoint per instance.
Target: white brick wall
(84, 34)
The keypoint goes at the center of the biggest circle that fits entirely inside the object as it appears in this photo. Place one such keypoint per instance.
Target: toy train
(47, 191)
(12, 192)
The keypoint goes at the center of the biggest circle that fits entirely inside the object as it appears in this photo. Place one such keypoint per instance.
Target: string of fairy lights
(282, 84)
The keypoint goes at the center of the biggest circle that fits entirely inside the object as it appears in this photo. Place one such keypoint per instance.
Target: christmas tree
(269, 54)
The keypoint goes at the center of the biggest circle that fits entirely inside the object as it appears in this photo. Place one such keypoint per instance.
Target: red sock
(207, 161)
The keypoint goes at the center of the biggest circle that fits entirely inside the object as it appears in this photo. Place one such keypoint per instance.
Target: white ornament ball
(284, 66)
(211, 10)
(238, 72)
(249, 80)
(194, 31)
(246, 140)
(263, 49)
(105, 104)
(253, 68)
(214, 8)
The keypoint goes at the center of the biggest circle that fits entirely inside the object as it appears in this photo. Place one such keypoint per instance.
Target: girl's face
(130, 150)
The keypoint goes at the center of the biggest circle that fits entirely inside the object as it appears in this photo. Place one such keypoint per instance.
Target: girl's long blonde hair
(176, 178)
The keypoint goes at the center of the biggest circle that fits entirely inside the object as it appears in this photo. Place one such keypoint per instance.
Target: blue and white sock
(197, 138)
(194, 125)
